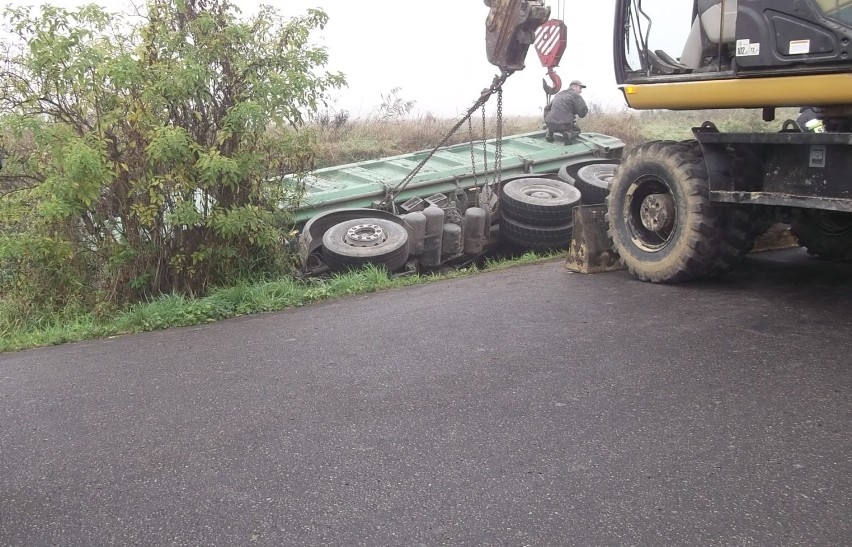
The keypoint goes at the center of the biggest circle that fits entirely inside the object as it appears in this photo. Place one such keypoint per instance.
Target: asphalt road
(531, 406)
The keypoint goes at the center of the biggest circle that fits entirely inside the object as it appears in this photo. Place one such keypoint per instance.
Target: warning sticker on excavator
(747, 49)
(800, 47)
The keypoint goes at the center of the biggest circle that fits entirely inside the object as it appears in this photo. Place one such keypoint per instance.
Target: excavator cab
(723, 47)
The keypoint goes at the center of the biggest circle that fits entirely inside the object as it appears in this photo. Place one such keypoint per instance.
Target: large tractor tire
(661, 221)
(354, 243)
(826, 234)
(539, 202)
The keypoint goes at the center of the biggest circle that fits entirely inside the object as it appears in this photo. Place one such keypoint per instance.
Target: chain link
(472, 158)
(499, 145)
(484, 144)
(496, 87)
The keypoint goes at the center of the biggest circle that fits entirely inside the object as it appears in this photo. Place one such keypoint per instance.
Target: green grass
(171, 311)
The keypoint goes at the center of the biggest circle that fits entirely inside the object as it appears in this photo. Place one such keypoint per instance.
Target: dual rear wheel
(537, 213)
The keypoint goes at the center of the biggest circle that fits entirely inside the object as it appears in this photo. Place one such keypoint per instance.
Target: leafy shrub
(145, 156)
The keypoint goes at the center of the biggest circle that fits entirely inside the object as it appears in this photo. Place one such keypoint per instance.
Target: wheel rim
(651, 214)
(365, 235)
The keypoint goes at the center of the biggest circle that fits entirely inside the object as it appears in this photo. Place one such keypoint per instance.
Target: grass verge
(178, 311)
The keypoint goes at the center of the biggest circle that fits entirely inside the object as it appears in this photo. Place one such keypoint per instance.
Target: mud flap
(591, 248)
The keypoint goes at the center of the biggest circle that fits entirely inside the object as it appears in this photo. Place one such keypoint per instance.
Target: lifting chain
(484, 146)
(499, 142)
(496, 87)
(488, 190)
(472, 159)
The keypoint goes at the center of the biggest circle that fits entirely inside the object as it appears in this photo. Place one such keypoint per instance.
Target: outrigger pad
(591, 248)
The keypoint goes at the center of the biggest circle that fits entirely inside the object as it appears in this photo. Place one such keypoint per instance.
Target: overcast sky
(435, 52)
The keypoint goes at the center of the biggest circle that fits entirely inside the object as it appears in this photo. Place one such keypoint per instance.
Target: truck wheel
(534, 237)
(826, 234)
(565, 176)
(354, 243)
(539, 202)
(660, 217)
(594, 182)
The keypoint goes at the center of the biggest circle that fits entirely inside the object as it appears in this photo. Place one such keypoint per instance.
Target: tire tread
(536, 237)
(697, 250)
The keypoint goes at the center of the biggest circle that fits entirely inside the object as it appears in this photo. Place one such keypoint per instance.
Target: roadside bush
(145, 155)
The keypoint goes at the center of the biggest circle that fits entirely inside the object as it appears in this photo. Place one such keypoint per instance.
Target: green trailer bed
(362, 185)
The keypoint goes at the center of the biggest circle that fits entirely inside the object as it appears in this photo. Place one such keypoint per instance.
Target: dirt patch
(776, 237)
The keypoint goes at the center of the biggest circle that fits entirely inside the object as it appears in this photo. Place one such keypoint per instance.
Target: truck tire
(539, 202)
(826, 234)
(534, 237)
(564, 176)
(594, 181)
(354, 243)
(660, 217)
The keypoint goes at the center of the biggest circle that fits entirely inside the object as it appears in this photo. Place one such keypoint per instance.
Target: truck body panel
(363, 184)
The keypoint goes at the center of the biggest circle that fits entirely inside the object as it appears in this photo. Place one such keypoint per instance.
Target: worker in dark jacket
(561, 114)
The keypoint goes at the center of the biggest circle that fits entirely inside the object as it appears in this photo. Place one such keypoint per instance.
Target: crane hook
(557, 83)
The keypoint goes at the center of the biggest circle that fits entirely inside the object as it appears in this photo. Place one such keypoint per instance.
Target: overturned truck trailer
(462, 203)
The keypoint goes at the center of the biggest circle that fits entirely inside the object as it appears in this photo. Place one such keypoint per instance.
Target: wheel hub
(542, 192)
(658, 212)
(365, 235)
